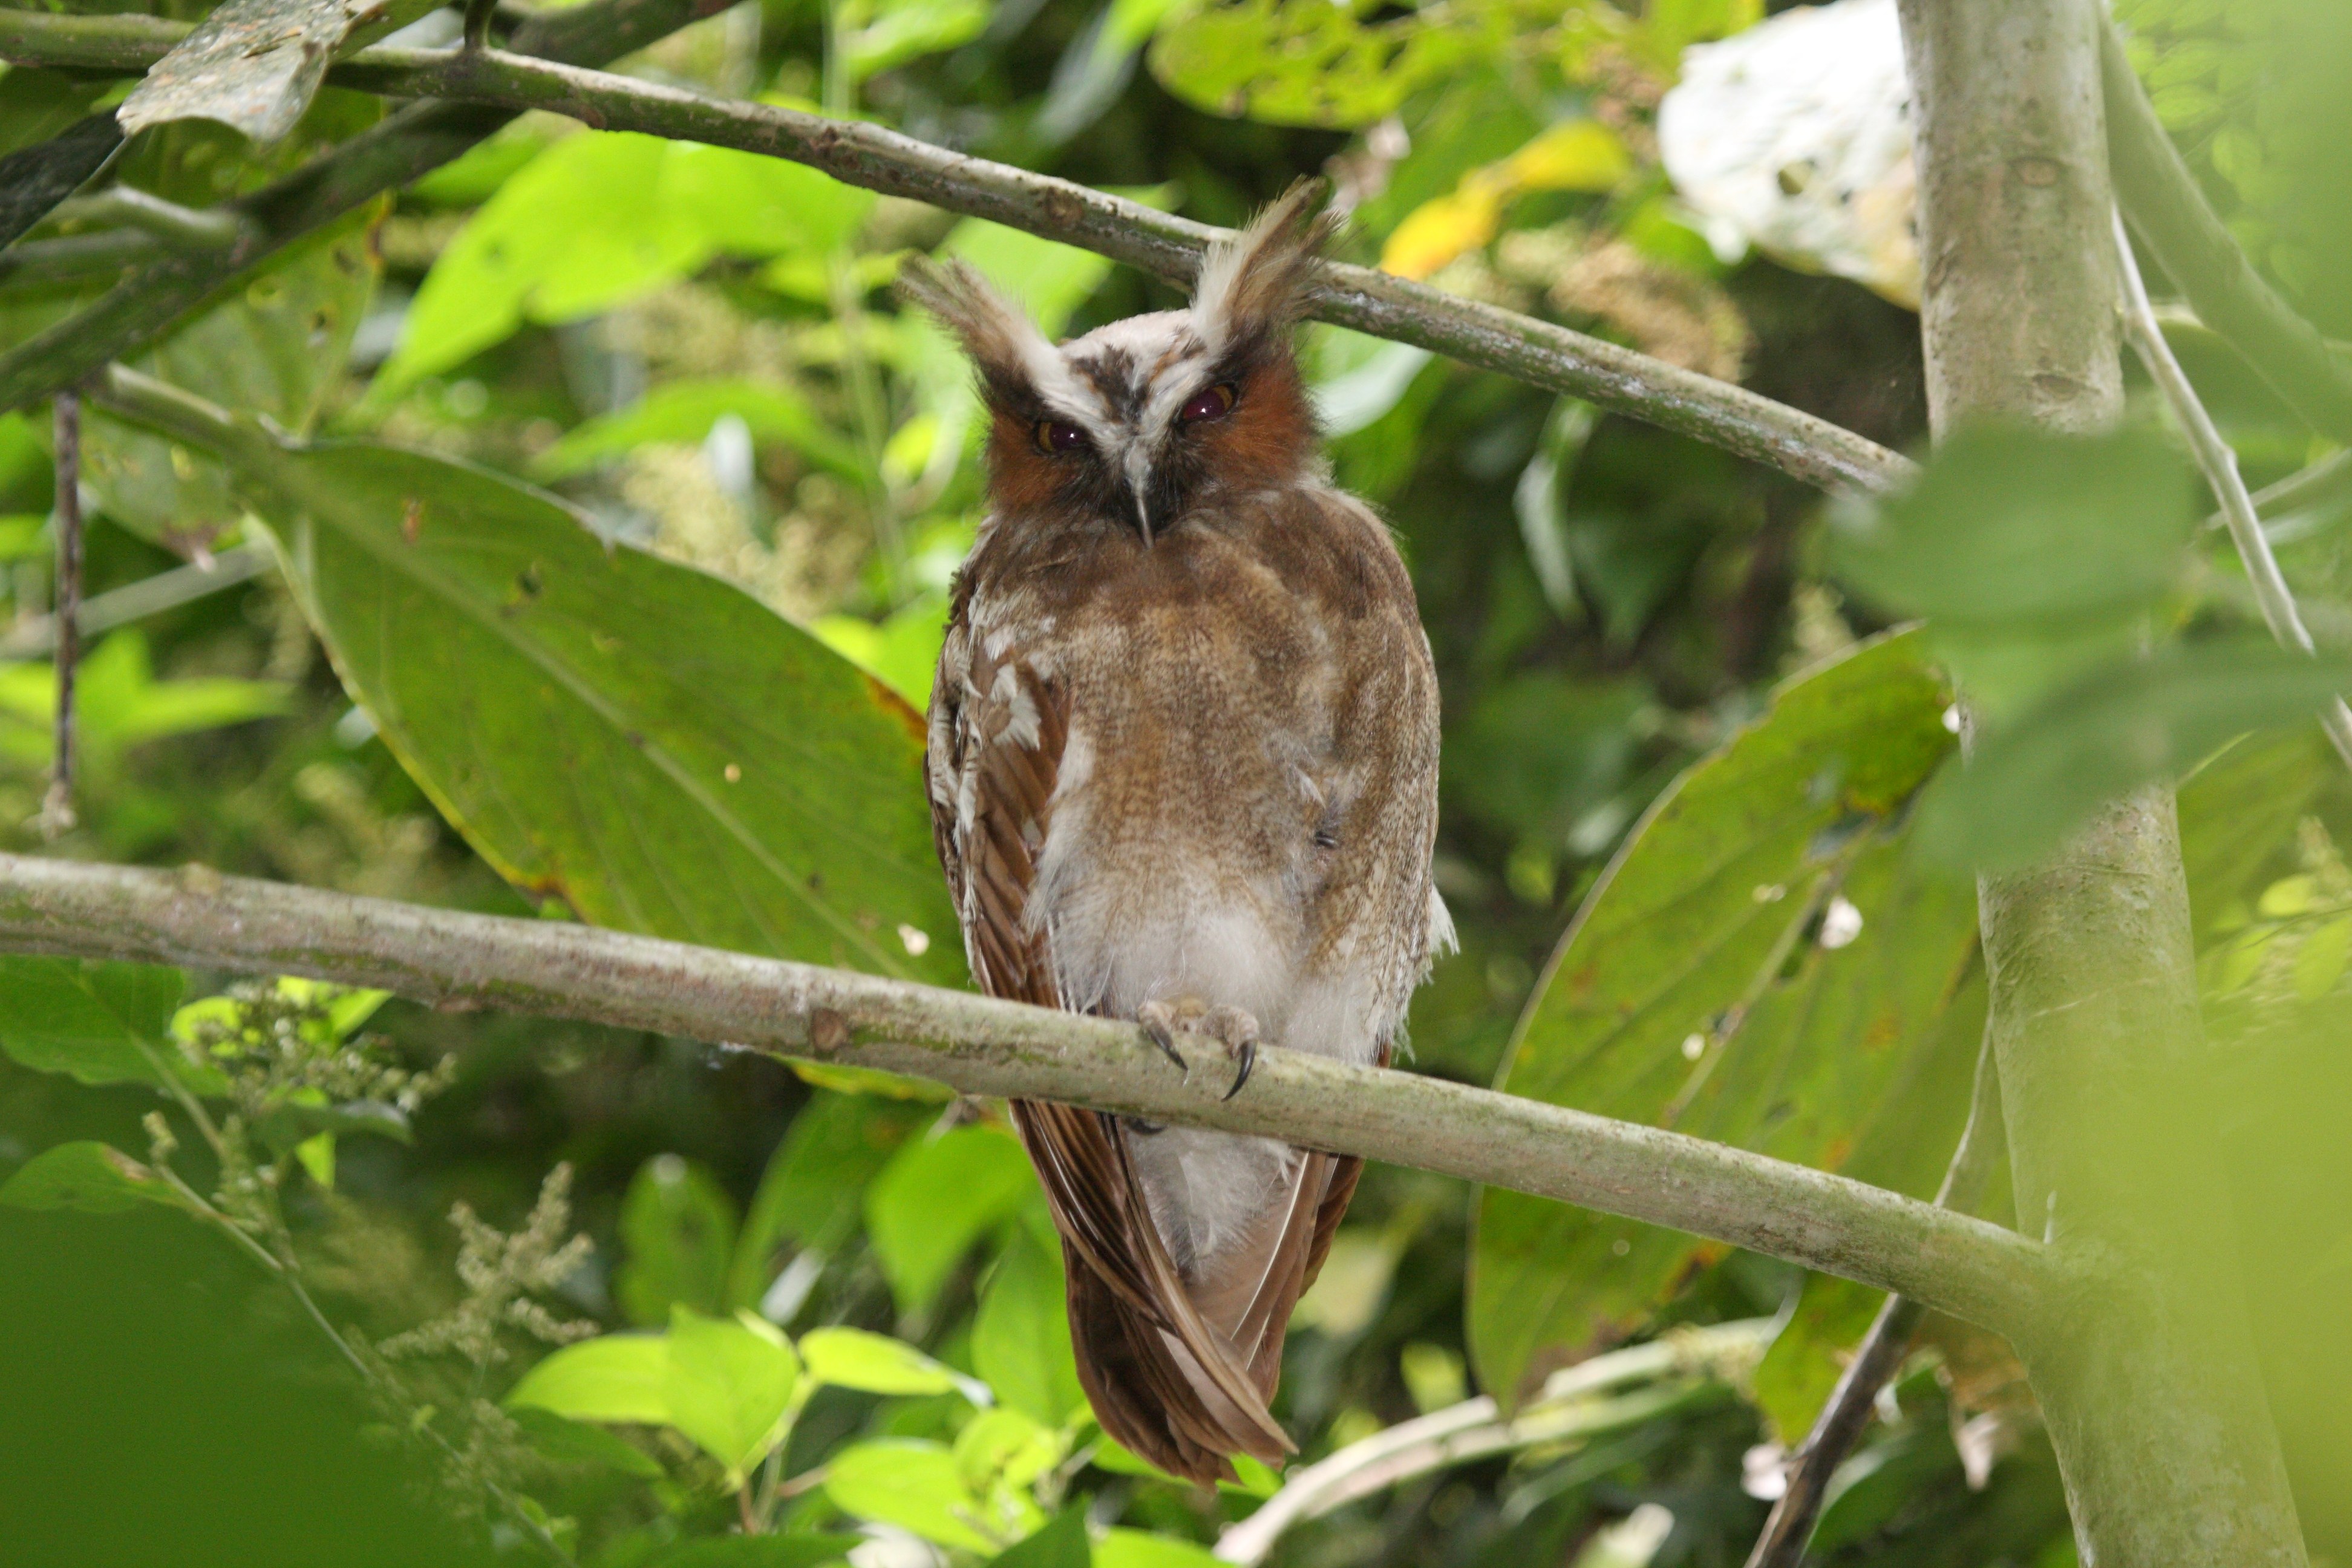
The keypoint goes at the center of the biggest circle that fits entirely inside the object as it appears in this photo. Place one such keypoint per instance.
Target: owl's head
(1133, 420)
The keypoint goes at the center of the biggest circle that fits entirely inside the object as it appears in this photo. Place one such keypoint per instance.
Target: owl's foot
(1231, 1027)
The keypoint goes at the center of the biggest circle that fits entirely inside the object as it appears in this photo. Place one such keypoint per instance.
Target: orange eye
(1209, 403)
(1055, 438)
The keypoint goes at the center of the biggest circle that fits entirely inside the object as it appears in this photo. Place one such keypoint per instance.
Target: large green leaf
(1718, 982)
(102, 1023)
(90, 1178)
(935, 1199)
(643, 741)
(677, 1228)
(809, 1194)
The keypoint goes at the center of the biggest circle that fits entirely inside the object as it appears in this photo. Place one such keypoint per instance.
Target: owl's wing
(1163, 1381)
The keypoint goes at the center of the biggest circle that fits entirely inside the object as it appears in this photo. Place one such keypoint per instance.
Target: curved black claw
(1247, 1055)
(1165, 1038)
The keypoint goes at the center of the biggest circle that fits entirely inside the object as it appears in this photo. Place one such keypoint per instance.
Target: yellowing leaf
(1438, 231)
(1574, 155)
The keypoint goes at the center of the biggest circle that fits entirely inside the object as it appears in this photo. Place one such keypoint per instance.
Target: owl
(1183, 764)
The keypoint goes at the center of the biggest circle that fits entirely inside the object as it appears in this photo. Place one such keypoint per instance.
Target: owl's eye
(1052, 436)
(1210, 402)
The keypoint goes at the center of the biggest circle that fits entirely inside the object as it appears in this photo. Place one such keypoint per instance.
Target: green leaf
(809, 1194)
(916, 1484)
(1717, 982)
(1002, 1447)
(1021, 1335)
(2033, 555)
(1805, 1359)
(1060, 1543)
(877, 1364)
(2036, 779)
(1139, 1549)
(101, 1021)
(686, 410)
(729, 1385)
(758, 1552)
(276, 346)
(936, 1199)
(85, 1177)
(647, 743)
(553, 245)
(119, 703)
(1305, 62)
(577, 1443)
(896, 31)
(678, 1230)
(614, 1377)
(2239, 807)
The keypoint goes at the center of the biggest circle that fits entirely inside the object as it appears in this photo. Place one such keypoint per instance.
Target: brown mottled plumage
(1183, 769)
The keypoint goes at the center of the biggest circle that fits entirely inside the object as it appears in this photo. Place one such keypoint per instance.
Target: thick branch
(982, 1046)
(1522, 347)
(2169, 212)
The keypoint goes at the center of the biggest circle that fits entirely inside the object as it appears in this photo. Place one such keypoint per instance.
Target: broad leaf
(916, 1486)
(678, 1230)
(2038, 778)
(1763, 965)
(1307, 62)
(877, 1364)
(103, 1023)
(1139, 1549)
(1802, 1367)
(934, 1200)
(645, 741)
(686, 410)
(87, 1177)
(616, 1377)
(729, 1385)
(576, 1442)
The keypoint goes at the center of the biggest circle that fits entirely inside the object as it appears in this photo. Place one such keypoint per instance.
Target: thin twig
(1571, 1405)
(1882, 1352)
(56, 806)
(981, 1045)
(1539, 353)
(2219, 463)
(147, 596)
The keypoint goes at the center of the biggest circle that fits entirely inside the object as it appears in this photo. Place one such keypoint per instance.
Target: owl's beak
(1137, 468)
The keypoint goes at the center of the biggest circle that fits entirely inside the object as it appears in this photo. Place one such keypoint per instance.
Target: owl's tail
(1181, 1372)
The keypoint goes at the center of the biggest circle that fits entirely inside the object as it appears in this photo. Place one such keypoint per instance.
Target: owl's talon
(1247, 1058)
(1160, 1022)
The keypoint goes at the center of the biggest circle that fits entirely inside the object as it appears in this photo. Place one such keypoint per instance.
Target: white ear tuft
(1006, 346)
(1261, 280)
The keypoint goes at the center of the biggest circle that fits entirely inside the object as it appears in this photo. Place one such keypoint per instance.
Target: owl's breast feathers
(1206, 766)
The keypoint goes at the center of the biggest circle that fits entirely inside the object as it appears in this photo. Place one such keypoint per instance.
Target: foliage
(624, 500)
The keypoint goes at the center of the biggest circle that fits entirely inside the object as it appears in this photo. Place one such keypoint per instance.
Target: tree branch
(404, 146)
(1483, 336)
(2169, 212)
(982, 1046)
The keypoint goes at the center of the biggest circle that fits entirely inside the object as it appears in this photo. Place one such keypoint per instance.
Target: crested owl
(1183, 766)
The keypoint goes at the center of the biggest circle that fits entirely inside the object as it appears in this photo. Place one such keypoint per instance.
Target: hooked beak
(1139, 490)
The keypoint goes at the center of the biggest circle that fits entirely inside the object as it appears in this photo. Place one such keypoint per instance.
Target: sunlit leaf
(85, 1177)
(576, 1442)
(877, 1364)
(915, 1485)
(1702, 987)
(891, 32)
(730, 1384)
(616, 1377)
(1307, 62)
(1139, 1549)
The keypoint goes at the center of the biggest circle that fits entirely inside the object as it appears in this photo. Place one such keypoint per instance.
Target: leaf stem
(56, 805)
(2219, 463)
